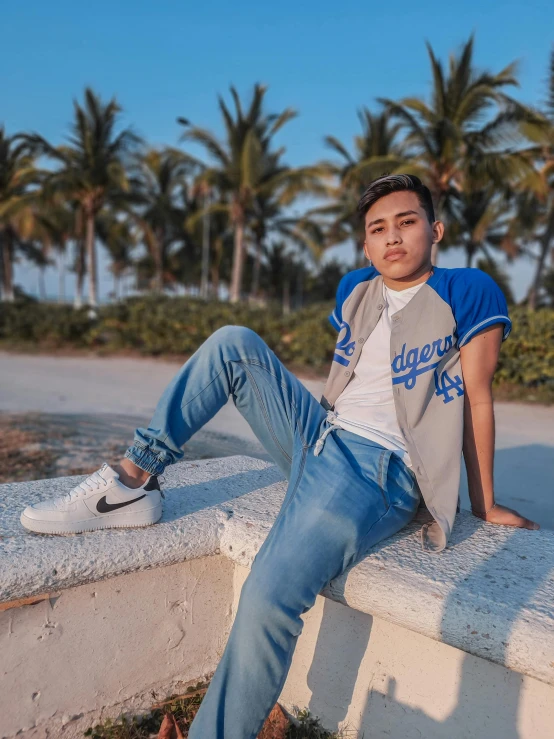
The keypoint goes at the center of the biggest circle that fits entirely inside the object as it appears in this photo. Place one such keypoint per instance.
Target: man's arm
(479, 358)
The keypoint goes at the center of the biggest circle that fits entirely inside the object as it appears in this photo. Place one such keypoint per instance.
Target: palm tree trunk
(238, 260)
(1, 268)
(255, 287)
(80, 270)
(215, 266)
(61, 276)
(158, 262)
(286, 297)
(545, 247)
(7, 268)
(469, 256)
(299, 288)
(158, 273)
(91, 258)
(204, 287)
(214, 272)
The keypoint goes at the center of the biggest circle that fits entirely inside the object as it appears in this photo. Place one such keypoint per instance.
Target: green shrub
(527, 357)
(42, 323)
(166, 325)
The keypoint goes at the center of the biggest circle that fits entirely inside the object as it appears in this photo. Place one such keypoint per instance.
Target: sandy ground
(88, 407)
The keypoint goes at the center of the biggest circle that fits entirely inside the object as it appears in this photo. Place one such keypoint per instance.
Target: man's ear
(438, 231)
(366, 251)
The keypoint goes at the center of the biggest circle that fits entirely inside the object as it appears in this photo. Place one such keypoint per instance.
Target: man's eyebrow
(398, 215)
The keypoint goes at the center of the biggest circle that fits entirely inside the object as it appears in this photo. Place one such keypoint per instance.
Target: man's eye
(410, 220)
(379, 228)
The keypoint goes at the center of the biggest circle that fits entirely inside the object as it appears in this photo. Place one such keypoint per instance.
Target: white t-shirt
(366, 405)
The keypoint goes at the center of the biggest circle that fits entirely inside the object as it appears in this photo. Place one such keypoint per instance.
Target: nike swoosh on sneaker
(104, 507)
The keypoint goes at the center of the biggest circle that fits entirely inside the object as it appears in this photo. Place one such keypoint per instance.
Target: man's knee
(235, 336)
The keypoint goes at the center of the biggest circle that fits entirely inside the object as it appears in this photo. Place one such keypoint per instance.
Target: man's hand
(504, 516)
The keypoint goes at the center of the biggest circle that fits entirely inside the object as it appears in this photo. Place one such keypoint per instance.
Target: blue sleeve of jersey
(478, 302)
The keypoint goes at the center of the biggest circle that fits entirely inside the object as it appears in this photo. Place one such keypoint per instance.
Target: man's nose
(393, 237)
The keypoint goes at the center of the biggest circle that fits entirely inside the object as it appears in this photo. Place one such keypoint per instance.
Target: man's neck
(416, 278)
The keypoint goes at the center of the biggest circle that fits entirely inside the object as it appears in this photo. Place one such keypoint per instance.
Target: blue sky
(325, 59)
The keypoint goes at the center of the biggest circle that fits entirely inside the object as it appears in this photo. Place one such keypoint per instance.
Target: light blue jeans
(337, 505)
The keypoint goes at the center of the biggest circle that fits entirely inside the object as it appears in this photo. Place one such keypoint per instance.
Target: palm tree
(281, 272)
(56, 226)
(210, 215)
(376, 150)
(17, 174)
(278, 187)
(243, 166)
(535, 201)
(93, 166)
(446, 134)
(479, 219)
(161, 176)
(119, 238)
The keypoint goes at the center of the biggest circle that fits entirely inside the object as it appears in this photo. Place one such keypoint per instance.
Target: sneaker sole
(140, 519)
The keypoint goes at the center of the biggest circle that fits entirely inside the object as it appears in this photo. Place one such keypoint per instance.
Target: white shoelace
(94, 482)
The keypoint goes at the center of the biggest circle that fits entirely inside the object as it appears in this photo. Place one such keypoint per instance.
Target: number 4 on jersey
(444, 385)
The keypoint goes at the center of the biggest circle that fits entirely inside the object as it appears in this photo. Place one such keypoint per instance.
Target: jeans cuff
(145, 459)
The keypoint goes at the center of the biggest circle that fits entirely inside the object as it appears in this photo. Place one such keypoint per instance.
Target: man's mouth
(394, 254)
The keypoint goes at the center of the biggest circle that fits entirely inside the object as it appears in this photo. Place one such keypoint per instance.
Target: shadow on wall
(477, 710)
(484, 696)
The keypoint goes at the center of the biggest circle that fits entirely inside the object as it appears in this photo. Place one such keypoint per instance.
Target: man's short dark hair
(397, 183)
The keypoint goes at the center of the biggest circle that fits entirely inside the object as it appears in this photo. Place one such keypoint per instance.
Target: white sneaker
(99, 502)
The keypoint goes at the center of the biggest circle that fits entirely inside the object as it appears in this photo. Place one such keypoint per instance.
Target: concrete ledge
(489, 594)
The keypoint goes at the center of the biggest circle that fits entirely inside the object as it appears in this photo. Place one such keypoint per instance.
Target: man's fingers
(504, 516)
(530, 524)
(525, 523)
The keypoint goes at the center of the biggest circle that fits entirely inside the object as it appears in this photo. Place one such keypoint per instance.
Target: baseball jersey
(426, 337)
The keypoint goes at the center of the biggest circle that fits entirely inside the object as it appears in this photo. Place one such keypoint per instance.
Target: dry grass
(22, 454)
(181, 710)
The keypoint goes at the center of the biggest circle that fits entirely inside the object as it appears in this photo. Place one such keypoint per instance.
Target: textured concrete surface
(97, 651)
(490, 594)
(524, 463)
(195, 512)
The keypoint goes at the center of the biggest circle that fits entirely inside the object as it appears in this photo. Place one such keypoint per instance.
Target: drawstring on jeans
(331, 419)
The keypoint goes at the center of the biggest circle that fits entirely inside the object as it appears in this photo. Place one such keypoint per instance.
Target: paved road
(113, 387)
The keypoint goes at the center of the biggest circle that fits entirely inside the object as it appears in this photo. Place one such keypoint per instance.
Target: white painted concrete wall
(99, 650)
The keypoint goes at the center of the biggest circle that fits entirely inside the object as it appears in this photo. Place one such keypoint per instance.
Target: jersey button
(361, 340)
(347, 373)
(380, 306)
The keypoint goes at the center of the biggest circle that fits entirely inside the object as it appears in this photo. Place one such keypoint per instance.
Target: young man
(409, 387)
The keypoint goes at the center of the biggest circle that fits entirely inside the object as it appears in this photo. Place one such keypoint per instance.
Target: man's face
(398, 235)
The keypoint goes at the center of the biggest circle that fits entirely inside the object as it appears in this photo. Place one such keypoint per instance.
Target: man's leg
(334, 515)
(233, 361)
